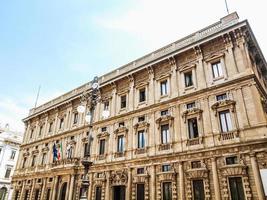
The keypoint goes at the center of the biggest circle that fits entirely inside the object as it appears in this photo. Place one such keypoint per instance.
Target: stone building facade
(187, 121)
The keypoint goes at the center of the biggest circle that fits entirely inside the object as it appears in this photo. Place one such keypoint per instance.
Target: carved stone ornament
(141, 125)
(118, 178)
(224, 103)
(192, 111)
(45, 149)
(104, 134)
(165, 118)
(264, 104)
(197, 173)
(121, 130)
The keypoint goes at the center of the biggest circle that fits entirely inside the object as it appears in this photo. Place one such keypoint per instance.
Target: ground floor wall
(230, 172)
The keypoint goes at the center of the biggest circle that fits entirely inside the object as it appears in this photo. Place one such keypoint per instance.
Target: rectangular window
(140, 170)
(141, 139)
(8, 172)
(123, 101)
(190, 105)
(188, 78)
(48, 194)
(32, 131)
(195, 164)
(98, 191)
(40, 130)
(167, 190)
(164, 88)
(85, 149)
(192, 128)
(165, 134)
(13, 154)
(140, 191)
(106, 105)
(236, 188)
(24, 162)
(141, 119)
(50, 127)
(120, 146)
(142, 95)
(166, 168)
(33, 160)
(36, 196)
(217, 70)
(43, 162)
(231, 160)
(75, 118)
(103, 129)
(61, 123)
(198, 190)
(26, 194)
(102, 147)
(121, 124)
(221, 97)
(225, 121)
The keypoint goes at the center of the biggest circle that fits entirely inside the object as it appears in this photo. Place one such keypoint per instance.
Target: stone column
(153, 183)
(129, 185)
(43, 188)
(22, 190)
(215, 179)
(71, 186)
(55, 188)
(181, 181)
(107, 192)
(257, 176)
(32, 189)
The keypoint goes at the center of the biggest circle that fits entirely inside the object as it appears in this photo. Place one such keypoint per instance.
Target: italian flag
(60, 152)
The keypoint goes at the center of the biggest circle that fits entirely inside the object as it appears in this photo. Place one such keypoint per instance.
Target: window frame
(190, 134)
(164, 90)
(165, 134)
(228, 127)
(219, 72)
(188, 83)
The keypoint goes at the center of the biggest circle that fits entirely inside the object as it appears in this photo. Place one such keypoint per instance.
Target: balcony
(194, 141)
(68, 162)
(231, 135)
(164, 147)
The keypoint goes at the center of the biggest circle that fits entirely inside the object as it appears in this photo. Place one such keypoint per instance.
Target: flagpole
(226, 5)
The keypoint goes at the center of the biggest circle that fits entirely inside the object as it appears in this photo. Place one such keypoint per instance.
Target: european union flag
(54, 152)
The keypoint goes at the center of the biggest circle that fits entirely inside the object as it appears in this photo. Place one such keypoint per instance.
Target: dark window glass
(121, 124)
(140, 170)
(195, 164)
(40, 130)
(43, 159)
(231, 160)
(120, 146)
(167, 190)
(33, 160)
(166, 168)
(198, 190)
(48, 194)
(221, 97)
(102, 147)
(26, 194)
(236, 188)
(191, 105)
(75, 118)
(50, 127)
(165, 135)
(188, 79)
(85, 149)
(141, 139)
(24, 162)
(17, 195)
(36, 197)
(141, 119)
(192, 128)
(163, 87)
(123, 101)
(13, 154)
(98, 191)
(225, 121)
(140, 191)
(8, 171)
(32, 131)
(106, 105)
(103, 129)
(217, 70)
(164, 112)
(61, 123)
(142, 95)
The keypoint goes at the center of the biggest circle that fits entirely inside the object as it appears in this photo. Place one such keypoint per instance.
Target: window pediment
(26, 154)
(230, 170)
(118, 178)
(192, 111)
(165, 118)
(222, 104)
(45, 149)
(121, 130)
(187, 67)
(197, 173)
(36, 151)
(141, 125)
(104, 134)
(163, 176)
(214, 57)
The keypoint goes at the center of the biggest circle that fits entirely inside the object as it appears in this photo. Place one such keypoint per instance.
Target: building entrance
(119, 193)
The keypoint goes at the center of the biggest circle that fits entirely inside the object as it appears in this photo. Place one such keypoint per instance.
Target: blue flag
(54, 152)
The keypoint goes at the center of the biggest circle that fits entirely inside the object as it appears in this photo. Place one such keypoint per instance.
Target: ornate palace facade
(187, 121)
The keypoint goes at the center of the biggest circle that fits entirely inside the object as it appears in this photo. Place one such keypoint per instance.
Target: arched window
(3, 193)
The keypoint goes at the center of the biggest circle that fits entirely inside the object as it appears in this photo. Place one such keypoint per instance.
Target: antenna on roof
(37, 97)
(226, 5)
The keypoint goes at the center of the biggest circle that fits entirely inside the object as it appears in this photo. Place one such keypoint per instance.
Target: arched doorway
(3, 193)
(63, 191)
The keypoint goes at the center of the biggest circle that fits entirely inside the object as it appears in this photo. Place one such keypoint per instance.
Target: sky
(60, 45)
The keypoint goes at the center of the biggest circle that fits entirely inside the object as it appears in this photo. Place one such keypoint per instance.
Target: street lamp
(92, 99)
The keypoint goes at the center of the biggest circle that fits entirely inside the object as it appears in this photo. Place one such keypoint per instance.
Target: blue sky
(64, 43)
